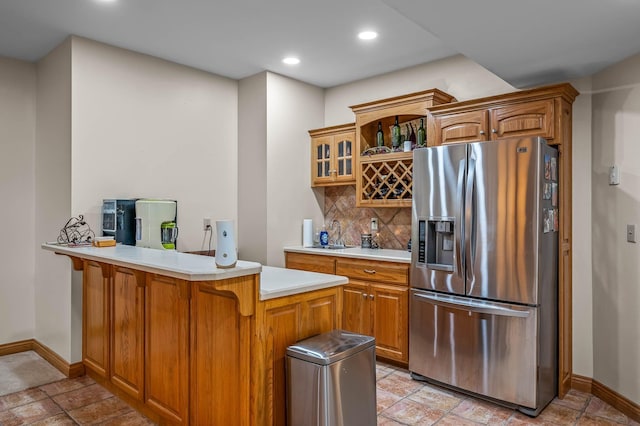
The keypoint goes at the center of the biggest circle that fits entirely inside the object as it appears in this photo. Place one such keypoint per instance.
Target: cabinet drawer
(388, 272)
(310, 262)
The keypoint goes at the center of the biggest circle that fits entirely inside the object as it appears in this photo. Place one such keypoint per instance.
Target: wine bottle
(422, 135)
(412, 136)
(395, 134)
(380, 135)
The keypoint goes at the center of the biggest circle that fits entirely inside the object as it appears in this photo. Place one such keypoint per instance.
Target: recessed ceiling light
(106, 1)
(291, 60)
(367, 35)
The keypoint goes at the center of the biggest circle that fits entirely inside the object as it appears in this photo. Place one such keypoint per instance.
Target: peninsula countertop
(278, 282)
(274, 282)
(400, 256)
(185, 266)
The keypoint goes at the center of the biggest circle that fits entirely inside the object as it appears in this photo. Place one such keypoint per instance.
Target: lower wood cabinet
(127, 334)
(166, 351)
(96, 318)
(381, 311)
(374, 303)
(280, 323)
(220, 355)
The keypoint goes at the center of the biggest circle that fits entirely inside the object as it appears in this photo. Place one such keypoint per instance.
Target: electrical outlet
(206, 223)
(374, 224)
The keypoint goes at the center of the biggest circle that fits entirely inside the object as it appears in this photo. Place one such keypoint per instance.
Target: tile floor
(401, 401)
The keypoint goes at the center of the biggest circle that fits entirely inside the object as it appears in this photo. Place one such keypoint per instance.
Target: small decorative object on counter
(379, 135)
(76, 232)
(324, 236)
(226, 256)
(407, 146)
(395, 134)
(421, 138)
(409, 246)
(365, 240)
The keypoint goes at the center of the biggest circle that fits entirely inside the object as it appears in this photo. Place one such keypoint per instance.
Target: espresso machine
(156, 224)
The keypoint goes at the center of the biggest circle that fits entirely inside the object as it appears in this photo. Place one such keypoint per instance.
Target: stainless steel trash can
(331, 380)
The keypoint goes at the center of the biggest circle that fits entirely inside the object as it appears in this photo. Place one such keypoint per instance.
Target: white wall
(616, 263)
(53, 290)
(17, 190)
(145, 127)
(252, 168)
(456, 75)
(292, 109)
(582, 298)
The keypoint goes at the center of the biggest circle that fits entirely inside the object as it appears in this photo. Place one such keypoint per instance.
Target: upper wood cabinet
(534, 112)
(332, 160)
(385, 179)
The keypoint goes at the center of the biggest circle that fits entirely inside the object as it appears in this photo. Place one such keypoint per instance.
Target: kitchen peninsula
(186, 342)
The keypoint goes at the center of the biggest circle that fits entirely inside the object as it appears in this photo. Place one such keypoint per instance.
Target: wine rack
(386, 180)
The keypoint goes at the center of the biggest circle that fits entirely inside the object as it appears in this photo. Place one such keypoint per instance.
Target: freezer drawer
(482, 347)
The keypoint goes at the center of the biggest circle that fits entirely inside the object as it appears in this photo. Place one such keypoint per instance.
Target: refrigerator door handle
(476, 306)
(459, 255)
(469, 218)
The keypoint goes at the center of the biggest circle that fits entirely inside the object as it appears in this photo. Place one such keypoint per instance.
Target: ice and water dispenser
(436, 243)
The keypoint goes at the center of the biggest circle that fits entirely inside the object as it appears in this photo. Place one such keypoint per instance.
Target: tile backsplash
(394, 224)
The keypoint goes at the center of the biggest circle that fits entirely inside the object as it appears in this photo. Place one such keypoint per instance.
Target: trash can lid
(330, 347)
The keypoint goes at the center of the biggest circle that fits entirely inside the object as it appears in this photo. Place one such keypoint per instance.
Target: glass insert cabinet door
(323, 160)
(332, 157)
(344, 158)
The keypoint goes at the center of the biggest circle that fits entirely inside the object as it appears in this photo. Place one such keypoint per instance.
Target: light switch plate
(631, 233)
(614, 175)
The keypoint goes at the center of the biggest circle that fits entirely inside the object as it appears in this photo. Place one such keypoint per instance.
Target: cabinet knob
(370, 271)
(364, 295)
(494, 131)
(482, 132)
(371, 296)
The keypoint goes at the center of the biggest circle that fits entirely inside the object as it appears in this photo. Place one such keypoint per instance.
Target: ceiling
(526, 43)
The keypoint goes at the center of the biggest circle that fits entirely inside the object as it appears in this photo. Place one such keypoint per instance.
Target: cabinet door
(460, 127)
(320, 315)
(95, 317)
(167, 347)
(127, 334)
(390, 312)
(344, 144)
(524, 119)
(356, 314)
(322, 170)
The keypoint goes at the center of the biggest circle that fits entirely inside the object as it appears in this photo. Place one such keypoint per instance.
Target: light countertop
(274, 282)
(185, 266)
(400, 256)
(278, 282)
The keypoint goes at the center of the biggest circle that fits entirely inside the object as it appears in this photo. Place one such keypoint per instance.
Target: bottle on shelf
(412, 136)
(395, 134)
(421, 138)
(379, 135)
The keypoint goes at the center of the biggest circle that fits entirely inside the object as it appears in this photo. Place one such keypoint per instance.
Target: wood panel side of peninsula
(195, 352)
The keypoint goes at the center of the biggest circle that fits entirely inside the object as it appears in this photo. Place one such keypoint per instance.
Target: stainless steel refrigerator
(483, 307)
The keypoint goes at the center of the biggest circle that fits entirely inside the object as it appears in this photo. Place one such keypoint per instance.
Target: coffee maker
(118, 220)
(156, 224)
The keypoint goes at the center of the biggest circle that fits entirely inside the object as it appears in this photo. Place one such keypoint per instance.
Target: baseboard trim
(70, 370)
(611, 397)
(16, 347)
